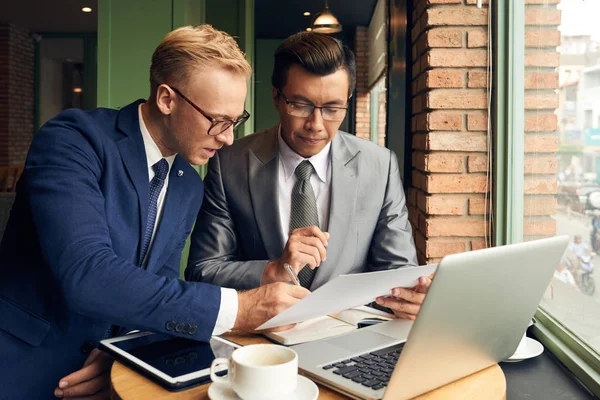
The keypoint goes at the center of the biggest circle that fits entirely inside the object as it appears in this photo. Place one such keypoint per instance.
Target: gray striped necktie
(304, 210)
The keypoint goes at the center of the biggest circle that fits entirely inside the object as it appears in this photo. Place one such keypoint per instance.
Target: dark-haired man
(303, 194)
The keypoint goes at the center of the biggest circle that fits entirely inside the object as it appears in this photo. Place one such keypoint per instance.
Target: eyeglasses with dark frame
(217, 126)
(304, 110)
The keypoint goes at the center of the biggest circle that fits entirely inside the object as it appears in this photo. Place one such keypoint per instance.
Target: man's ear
(165, 99)
(275, 96)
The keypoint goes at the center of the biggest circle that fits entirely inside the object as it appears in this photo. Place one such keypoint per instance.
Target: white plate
(306, 390)
(532, 348)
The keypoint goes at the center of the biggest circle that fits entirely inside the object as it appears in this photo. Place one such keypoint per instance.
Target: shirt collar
(153, 154)
(290, 159)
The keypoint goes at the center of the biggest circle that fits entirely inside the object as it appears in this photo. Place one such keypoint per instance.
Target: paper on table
(347, 291)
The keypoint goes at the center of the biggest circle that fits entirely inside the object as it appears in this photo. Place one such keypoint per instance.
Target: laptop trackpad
(361, 341)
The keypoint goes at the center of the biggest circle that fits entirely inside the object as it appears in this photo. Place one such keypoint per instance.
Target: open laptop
(474, 316)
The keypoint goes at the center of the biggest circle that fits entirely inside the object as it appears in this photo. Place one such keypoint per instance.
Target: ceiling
(274, 18)
(281, 18)
(51, 15)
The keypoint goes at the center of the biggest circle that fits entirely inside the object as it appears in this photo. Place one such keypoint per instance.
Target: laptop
(474, 315)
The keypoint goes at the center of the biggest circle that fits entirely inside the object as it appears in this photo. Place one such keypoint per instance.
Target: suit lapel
(263, 174)
(171, 215)
(344, 174)
(133, 154)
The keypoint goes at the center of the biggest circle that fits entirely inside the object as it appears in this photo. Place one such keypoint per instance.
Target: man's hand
(305, 246)
(90, 382)
(259, 305)
(406, 303)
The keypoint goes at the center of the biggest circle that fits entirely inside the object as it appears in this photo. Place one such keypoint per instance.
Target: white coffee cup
(259, 371)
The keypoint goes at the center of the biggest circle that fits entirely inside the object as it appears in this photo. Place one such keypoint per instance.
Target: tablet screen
(175, 356)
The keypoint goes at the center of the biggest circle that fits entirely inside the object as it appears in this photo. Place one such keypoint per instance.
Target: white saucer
(532, 348)
(306, 390)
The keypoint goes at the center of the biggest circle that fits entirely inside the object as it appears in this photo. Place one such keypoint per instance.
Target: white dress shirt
(229, 299)
(320, 181)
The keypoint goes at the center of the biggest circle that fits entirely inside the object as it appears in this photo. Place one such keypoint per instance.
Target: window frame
(508, 102)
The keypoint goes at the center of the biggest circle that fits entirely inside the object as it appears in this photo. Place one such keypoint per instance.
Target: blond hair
(190, 47)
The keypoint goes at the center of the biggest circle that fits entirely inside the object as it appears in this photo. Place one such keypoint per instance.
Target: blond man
(102, 212)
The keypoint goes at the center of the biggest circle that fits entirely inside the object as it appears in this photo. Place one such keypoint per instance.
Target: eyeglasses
(304, 110)
(217, 126)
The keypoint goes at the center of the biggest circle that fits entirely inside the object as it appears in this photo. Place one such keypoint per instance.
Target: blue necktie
(160, 173)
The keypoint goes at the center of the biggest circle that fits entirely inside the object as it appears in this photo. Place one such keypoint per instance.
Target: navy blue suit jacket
(68, 257)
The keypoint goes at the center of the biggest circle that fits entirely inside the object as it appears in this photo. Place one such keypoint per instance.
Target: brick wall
(449, 122)
(541, 123)
(447, 200)
(362, 122)
(17, 99)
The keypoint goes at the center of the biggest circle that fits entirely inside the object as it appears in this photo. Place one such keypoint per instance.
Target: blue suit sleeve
(64, 171)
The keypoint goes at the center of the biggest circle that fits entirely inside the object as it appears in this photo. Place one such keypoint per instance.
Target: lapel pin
(179, 172)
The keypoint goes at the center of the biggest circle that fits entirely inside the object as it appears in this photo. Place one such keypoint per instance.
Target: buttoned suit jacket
(68, 258)
(238, 228)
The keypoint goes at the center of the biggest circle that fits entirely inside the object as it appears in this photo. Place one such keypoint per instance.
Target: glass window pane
(562, 153)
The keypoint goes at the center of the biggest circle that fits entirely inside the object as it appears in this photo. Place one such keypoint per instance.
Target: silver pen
(292, 274)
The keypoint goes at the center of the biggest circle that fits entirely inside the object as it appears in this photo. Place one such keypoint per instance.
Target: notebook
(329, 325)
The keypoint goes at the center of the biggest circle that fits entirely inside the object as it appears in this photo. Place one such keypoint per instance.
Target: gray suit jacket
(238, 230)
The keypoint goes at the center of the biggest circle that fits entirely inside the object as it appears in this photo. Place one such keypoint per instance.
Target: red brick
(441, 248)
(450, 141)
(478, 79)
(442, 1)
(542, 37)
(455, 58)
(444, 121)
(479, 244)
(540, 185)
(477, 163)
(539, 227)
(440, 78)
(456, 183)
(542, 16)
(479, 206)
(441, 204)
(456, 99)
(541, 143)
(540, 205)
(535, 164)
(477, 38)
(454, 226)
(438, 162)
(443, 37)
(541, 123)
(477, 122)
(542, 59)
(456, 16)
(536, 101)
(534, 80)
(474, 2)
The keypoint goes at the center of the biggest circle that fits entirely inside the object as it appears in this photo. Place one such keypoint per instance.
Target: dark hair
(317, 53)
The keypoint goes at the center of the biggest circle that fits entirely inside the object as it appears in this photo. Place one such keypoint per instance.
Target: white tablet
(174, 363)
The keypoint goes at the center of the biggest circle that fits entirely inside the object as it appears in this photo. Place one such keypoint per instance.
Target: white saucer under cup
(306, 390)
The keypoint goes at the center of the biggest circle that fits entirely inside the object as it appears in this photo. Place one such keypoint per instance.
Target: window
(550, 85)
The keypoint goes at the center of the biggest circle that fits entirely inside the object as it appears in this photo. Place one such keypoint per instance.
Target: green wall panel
(265, 115)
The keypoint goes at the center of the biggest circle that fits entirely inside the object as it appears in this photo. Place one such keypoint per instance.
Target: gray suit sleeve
(214, 241)
(392, 245)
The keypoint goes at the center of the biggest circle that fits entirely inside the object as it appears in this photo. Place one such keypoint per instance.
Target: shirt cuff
(227, 312)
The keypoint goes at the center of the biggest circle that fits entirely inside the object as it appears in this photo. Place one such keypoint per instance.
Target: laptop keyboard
(372, 369)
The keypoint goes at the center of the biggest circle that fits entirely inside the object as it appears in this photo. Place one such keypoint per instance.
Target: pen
(292, 274)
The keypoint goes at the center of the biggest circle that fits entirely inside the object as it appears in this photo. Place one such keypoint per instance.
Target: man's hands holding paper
(406, 302)
(263, 303)
(305, 246)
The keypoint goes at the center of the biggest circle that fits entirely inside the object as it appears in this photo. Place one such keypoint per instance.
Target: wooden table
(127, 384)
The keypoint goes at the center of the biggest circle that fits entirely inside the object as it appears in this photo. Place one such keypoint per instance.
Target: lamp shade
(326, 22)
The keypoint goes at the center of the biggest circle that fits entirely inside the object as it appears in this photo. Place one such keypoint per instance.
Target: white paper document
(347, 291)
